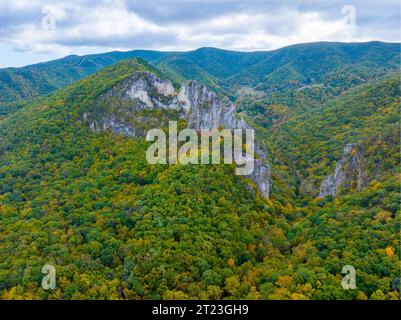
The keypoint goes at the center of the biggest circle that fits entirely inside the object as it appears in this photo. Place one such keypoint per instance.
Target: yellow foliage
(254, 294)
(175, 295)
(389, 251)
(284, 281)
(362, 296)
(231, 285)
(347, 254)
(298, 296)
(394, 295)
(383, 215)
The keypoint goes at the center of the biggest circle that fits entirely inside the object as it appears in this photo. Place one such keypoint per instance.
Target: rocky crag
(349, 173)
(122, 110)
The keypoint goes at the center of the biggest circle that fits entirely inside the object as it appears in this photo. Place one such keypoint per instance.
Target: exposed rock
(195, 103)
(148, 90)
(110, 123)
(205, 111)
(349, 173)
(261, 177)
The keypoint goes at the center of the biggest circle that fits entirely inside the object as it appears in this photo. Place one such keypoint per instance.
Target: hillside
(337, 65)
(30, 82)
(116, 227)
(367, 115)
(309, 63)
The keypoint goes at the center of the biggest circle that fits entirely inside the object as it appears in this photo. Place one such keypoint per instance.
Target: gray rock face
(349, 173)
(261, 177)
(146, 89)
(195, 103)
(204, 110)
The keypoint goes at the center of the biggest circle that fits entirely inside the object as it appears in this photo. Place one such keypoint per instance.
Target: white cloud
(245, 31)
(109, 25)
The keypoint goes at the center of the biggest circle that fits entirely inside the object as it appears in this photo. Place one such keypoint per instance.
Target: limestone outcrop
(197, 104)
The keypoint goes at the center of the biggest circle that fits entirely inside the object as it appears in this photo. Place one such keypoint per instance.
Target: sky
(33, 31)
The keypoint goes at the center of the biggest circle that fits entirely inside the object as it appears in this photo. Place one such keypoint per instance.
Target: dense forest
(337, 66)
(116, 227)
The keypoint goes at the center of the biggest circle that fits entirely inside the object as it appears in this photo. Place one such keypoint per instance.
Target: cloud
(26, 25)
(257, 31)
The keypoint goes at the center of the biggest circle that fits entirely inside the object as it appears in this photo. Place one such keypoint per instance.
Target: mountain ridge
(116, 227)
(217, 65)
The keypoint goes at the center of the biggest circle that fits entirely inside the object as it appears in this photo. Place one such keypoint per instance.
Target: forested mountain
(27, 83)
(367, 116)
(336, 65)
(115, 227)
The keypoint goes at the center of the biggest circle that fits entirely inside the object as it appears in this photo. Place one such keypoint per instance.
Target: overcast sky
(35, 30)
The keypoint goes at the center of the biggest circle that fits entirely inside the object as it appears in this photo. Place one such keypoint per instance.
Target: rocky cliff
(122, 110)
(348, 173)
